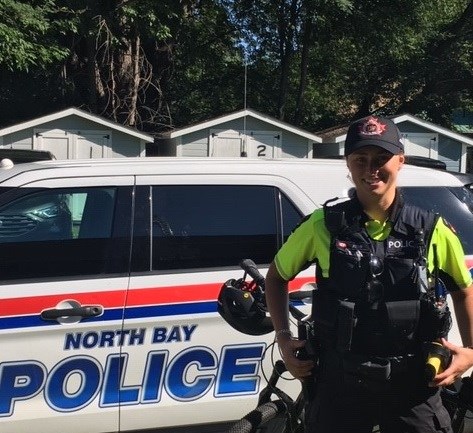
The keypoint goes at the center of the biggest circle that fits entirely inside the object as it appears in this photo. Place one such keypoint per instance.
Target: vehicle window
(454, 204)
(57, 232)
(5, 189)
(291, 216)
(195, 226)
(464, 194)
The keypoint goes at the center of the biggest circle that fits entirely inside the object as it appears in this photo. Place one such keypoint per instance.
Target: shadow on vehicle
(19, 156)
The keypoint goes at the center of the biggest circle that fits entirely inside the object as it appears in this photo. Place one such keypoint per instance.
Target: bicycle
(458, 400)
(276, 411)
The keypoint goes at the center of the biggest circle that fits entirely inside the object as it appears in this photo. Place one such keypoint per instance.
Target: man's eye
(381, 161)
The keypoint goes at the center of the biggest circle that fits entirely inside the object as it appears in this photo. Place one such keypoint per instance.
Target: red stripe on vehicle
(116, 298)
(190, 293)
(36, 304)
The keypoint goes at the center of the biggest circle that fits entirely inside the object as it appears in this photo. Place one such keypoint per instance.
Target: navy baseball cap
(374, 131)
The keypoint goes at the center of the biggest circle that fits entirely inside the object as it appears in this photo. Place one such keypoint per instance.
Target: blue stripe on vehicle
(171, 310)
(35, 321)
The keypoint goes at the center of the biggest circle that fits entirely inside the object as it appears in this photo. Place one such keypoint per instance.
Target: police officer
(376, 258)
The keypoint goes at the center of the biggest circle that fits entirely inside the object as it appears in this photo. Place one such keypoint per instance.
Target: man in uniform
(383, 268)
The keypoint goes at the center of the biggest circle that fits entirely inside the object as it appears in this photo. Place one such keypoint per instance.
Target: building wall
(121, 144)
(295, 146)
(411, 127)
(194, 144)
(197, 143)
(19, 140)
(449, 151)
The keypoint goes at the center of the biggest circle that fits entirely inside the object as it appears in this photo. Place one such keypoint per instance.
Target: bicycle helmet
(241, 311)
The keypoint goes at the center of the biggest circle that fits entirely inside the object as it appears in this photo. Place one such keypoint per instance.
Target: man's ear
(402, 160)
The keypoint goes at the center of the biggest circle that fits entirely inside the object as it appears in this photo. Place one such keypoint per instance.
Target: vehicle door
(64, 269)
(189, 237)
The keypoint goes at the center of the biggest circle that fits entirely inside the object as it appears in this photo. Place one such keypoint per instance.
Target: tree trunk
(287, 23)
(135, 83)
(306, 40)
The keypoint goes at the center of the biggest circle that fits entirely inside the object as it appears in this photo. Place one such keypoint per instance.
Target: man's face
(374, 171)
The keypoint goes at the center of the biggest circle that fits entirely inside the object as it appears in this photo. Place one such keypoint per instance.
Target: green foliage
(208, 67)
(28, 32)
(164, 64)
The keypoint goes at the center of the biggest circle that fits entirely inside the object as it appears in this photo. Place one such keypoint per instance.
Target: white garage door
(421, 144)
(73, 144)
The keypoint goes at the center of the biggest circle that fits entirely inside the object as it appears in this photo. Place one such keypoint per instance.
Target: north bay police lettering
(398, 244)
(408, 246)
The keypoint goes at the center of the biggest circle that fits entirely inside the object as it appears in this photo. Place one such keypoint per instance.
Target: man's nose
(373, 166)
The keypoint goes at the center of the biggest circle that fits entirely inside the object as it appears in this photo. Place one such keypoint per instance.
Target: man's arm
(277, 300)
(462, 356)
(463, 306)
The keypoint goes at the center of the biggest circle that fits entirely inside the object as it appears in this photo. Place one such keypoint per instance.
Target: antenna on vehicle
(243, 151)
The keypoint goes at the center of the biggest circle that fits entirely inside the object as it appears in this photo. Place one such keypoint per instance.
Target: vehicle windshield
(455, 204)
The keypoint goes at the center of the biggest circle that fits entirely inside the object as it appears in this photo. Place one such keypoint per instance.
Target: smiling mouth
(372, 181)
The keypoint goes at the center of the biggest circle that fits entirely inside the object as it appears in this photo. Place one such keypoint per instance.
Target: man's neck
(378, 208)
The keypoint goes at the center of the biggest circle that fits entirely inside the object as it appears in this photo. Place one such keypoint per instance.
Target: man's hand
(462, 360)
(288, 348)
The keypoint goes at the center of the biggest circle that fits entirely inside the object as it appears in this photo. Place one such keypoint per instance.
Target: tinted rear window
(455, 204)
(203, 226)
(4, 189)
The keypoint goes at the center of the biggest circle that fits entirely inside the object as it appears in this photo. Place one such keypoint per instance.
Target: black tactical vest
(370, 303)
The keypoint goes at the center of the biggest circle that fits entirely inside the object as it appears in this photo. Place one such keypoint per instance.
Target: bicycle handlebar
(304, 325)
(296, 313)
(249, 266)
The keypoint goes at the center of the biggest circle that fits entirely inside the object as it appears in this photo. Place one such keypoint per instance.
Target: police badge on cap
(374, 131)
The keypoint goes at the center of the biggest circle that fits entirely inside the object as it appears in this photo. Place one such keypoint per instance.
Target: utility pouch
(345, 324)
(324, 315)
(402, 319)
(435, 321)
(349, 264)
(333, 320)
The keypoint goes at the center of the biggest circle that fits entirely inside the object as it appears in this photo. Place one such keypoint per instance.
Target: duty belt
(378, 369)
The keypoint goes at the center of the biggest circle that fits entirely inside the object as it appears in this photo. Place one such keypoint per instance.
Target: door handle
(81, 311)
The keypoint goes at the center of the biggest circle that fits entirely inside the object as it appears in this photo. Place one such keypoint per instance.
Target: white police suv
(109, 275)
